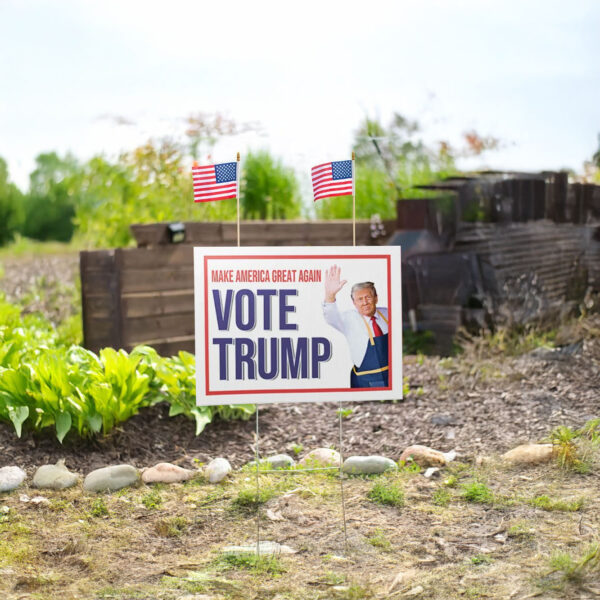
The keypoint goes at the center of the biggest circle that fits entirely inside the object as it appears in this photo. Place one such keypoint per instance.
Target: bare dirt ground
(165, 542)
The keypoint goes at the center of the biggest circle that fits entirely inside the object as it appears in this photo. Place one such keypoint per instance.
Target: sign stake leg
(256, 459)
(341, 477)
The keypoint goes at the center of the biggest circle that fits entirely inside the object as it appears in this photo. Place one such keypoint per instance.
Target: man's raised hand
(332, 283)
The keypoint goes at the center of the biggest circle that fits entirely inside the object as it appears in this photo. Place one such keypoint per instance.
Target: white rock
(54, 477)
(321, 457)
(11, 478)
(166, 473)
(265, 548)
(426, 457)
(529, 454)
(368, 465)
(40, 500)
(415, 591)
(217, 469)
(110, 479)
(431, 471)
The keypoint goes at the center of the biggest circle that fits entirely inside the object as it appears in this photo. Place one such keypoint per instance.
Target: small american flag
(215, 182)
(332, 179)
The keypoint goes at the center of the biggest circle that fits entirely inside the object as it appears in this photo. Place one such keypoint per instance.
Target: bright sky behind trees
(92, 77)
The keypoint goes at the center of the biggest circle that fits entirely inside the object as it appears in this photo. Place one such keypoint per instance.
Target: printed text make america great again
(265, 275)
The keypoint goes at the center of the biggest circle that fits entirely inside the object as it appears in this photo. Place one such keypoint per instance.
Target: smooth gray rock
(110, 479)
(217, 469)
(11, 478)
(443, 420)
(368, 465)
(54, 477)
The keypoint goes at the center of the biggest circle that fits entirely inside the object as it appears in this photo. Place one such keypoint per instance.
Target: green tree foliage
(390, 161)
(11, 206)
(269, 190)
(147, 185)
(50, 204)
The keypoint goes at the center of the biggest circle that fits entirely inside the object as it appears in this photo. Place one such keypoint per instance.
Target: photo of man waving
(365, 328)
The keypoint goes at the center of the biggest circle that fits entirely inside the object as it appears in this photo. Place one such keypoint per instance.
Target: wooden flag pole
(237, 196)
(353, 205)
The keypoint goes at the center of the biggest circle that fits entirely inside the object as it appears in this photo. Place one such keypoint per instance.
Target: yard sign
(264, 333)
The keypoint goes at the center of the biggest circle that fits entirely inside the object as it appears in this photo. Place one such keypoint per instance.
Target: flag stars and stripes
(332, 179)
(225, 172)
(215, 182)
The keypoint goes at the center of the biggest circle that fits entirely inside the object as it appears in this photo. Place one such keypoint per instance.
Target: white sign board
(280, 325)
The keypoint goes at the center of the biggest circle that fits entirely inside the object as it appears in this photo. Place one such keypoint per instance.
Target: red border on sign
(386, 257)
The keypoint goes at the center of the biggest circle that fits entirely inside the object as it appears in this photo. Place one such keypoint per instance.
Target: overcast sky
(527, 72)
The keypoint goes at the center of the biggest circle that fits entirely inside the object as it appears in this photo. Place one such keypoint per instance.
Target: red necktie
(376, 329)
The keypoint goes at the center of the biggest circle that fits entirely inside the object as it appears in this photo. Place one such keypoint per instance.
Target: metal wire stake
(256, 455)
(342, 478)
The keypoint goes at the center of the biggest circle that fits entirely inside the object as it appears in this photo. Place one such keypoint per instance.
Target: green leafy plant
(563, 438)
(44, 382)
(591, 430)
(477, 492)
(344, 413)
(99, 508)
(480, 559)
(248, 498)
(153, 499)
(387, 492)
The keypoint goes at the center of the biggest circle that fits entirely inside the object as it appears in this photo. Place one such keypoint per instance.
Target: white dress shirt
(352, 324)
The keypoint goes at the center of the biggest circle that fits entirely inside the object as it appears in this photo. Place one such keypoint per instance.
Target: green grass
(441, 497)
(520, 531)
(153, 499)
(546, 503)
(99, 508)
(248, 498)
(253, 562)
(565, 570)
(23, 246)
(172, 527)
(387, 492)
(379, 540)
(478, 493)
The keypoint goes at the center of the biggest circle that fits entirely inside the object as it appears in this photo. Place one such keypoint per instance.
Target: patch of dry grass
(165, 542)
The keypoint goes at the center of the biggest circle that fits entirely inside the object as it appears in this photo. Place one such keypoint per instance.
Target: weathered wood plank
(97, 282)
(158, 280)
(99, 306)
(158, 303)
(141, 330)
(102, 260)
(173, 255)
